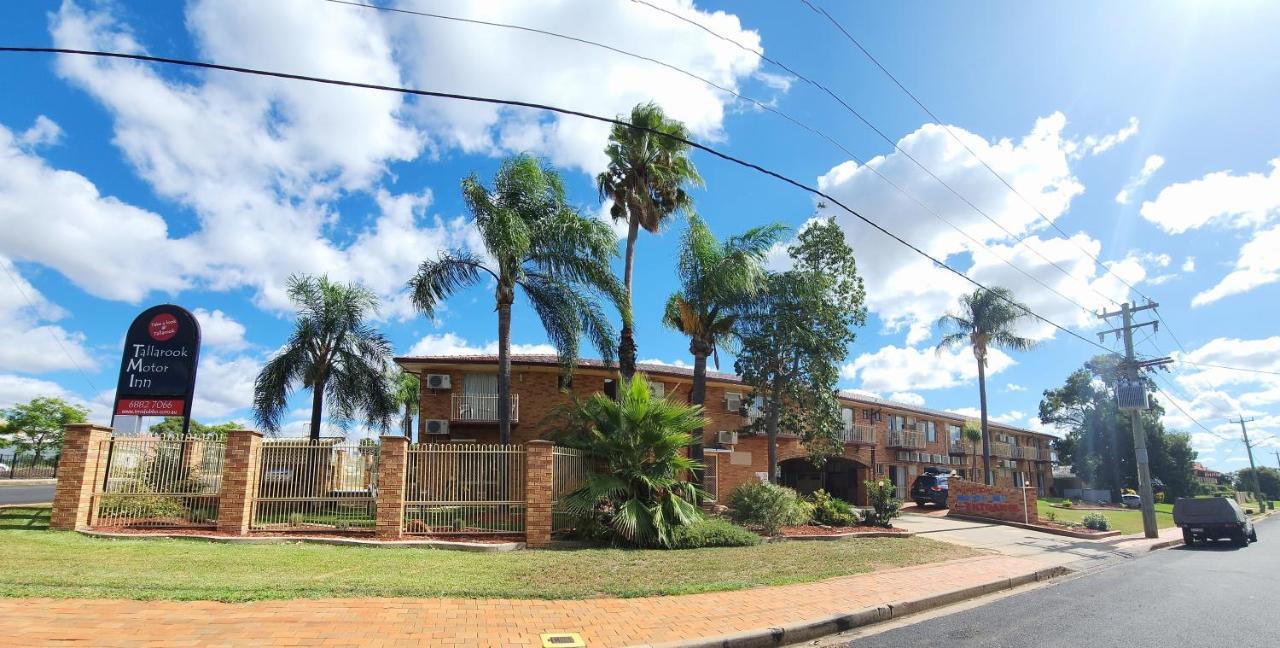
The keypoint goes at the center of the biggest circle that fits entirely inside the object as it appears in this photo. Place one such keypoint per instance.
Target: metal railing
(1001, 449)
(1032, 454)
(1047, 454)
(568, 472)
(858, 433)
(322, 485)
(467, 488)
(905, 439)
(482, 408)
(154, 482)
(15, 466)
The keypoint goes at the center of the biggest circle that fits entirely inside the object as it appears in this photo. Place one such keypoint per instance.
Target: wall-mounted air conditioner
(439, 381)
(437, 426)
(727, 438)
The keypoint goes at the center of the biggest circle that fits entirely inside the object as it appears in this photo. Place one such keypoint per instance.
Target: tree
(646, 179)
(987, 318)
(334, 353)
(37, 425)
(718, 283)
(408, 393)
(171, 428)
(972, 432)
(639, 497)
(540, 244)
(796, 336)
(1268, 481)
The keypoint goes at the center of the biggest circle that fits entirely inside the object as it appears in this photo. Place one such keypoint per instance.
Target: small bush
(1128, 491)
(712, 532)
(884, 504)
(1066, 504)
(144, 507)
(1051, 516)
(766, 507)
(832, 511)
(1096, 521)
(1159, 498)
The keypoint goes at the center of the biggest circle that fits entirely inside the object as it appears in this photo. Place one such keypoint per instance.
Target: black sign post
(158, 368)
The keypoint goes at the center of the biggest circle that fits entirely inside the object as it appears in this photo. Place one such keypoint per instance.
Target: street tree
(795, 337)
(36, 427)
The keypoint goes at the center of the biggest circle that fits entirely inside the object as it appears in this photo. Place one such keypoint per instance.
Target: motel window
(846, 415)
(956, 432)
(897, 423)
(657, 390)
(930, 431)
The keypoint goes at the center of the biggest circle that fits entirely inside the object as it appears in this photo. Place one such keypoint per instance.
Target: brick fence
(83, 469)
(1013, 504)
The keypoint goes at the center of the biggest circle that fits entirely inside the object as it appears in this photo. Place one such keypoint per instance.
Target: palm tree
(537, 242)
(640, 496)
(646, 181)
(408, 393)
(987, 318)
(719, 281)
(332, 352)
(973, 434)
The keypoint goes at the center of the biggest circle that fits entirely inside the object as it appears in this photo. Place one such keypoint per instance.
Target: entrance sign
(158, 368)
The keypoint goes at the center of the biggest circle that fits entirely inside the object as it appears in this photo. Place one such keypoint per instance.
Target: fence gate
(322, 485)
(153, 482)
(464, 488)
(568, 471)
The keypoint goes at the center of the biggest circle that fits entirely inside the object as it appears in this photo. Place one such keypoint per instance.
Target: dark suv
(1212, 518)
(930, 488)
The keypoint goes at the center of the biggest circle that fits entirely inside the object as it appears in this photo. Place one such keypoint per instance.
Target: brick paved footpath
(478, 622)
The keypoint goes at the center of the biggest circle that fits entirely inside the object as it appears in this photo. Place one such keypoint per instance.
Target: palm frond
(447, 274)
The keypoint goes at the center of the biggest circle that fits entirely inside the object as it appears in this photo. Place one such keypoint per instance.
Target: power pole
(1277, 454)
(1257, 484)
(1130, 368)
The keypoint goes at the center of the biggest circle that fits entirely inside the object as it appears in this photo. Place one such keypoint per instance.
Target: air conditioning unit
(439, 381)
(733, 401)
(437, 426)
(727, 438)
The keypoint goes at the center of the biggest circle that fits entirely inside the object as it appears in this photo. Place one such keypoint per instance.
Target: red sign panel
(150, 407)
(163, 327)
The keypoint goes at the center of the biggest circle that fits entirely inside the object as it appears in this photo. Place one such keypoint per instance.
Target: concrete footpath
(753, 617)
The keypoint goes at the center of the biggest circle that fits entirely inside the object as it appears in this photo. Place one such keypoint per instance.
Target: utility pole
(1277, 454)
(1130, 368)
(1257, 484)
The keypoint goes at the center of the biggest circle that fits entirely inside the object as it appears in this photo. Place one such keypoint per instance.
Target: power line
(823, 12)
(1229, 368)
(549, 108)
(783, 114)
(31, 304)
(1169, 392)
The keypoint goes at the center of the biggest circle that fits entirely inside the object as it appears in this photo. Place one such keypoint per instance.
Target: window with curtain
(930, 431)
(956, 432)
(480, 384)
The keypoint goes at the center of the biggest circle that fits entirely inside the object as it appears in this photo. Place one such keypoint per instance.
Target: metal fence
(16, 466)
(322, 485)
(154, 482)
(464, 488)
(568, 471)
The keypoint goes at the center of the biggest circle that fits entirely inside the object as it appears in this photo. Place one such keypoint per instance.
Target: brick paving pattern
(479, 622)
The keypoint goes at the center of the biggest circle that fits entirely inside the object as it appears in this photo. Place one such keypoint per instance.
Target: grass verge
(65, 565)
(1127, 520)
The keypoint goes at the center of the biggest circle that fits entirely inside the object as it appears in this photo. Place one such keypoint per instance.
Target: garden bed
(820, 532)
(1046, 526)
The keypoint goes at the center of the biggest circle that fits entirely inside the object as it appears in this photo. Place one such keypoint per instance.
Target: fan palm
(972, 431)
(536, 242)
(646, 180)
(719, 281)
(407, 394)
(640, 497)
(332, 352)
(987, 318)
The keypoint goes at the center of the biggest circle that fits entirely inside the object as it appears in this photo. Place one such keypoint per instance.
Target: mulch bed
(309, 533)
(816, 530)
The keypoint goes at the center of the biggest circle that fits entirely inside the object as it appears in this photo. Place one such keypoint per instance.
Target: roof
(656, 369)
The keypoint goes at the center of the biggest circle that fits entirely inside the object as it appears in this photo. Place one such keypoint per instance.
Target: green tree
(987, 319)
(718, 283)
(1268, 481)
(640, 497)
(334, 353)
(646, 179)
(408, 393)
(796, 336)
(537, 242)
(972, 432)
(171, 428)
(37, 425)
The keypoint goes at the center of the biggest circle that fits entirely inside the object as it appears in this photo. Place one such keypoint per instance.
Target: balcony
(1030, 454)
(960, 449)
(905, 439)
(1001, 450)
(481, 408)
(1046, 454)
(860, 434)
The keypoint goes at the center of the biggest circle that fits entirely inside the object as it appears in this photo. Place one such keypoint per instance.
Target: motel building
(459, 404)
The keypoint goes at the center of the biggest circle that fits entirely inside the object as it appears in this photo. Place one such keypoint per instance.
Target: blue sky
(1145, 131)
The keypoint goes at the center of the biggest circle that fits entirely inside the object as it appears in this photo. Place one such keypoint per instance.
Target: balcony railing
(1001, 450)
(960, 448)
(1046, 454)
(481, 408)
(905, 439)
(1030, 454)
(857, 433)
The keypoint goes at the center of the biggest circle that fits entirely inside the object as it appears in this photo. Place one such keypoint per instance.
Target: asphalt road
(1220, 596)
(26, 494)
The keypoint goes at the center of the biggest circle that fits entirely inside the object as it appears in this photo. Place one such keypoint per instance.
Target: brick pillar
(537, 494)
(81, 468)
(1033, 511)
(389, 522)
(241, 469)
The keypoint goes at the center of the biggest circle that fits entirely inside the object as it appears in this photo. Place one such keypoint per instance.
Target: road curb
(805, 630)
(1165, 544)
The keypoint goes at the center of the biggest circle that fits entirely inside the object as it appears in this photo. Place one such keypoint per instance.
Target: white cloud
(1096, 144)
(669, 363)
(43, 132)
(31, 342)
(224, 386)
(219, 330)
(451, 344)
(908, 398)
(908, 369)
(1149, 167)
(1219, 198)
(20, 389)
(1189, 265)
(1011, 387)
(1257, 265)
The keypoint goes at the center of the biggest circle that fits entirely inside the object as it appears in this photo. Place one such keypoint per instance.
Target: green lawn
(1127, 521)
(60, 564)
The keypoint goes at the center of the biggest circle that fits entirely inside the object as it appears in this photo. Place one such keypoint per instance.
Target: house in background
(1206, 476)
(882, 438)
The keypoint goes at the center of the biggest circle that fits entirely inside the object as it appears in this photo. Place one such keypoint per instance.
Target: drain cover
(563, 640)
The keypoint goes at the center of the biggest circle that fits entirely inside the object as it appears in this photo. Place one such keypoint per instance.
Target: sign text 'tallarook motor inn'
(158, 368)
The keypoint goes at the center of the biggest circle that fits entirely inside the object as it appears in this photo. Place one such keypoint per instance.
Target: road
(26, 493)
(1220, 596)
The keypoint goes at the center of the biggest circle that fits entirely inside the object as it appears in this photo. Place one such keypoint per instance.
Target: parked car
(930, 488)
(1131, 501)
(1212, 518)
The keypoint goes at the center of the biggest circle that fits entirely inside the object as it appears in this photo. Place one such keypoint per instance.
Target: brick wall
(389, 509)
(537, 493)
(970, 498)
(240, 473)
(81, 468)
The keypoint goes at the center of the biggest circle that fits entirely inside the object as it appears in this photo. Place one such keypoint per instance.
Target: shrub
(1128, 491)
(1051, 516)
(884, 504)
(1096, 521)
(1159, 498)
(766, 507)
(832, 511)
(1066, 504)
(143, 507)
(712, 532)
